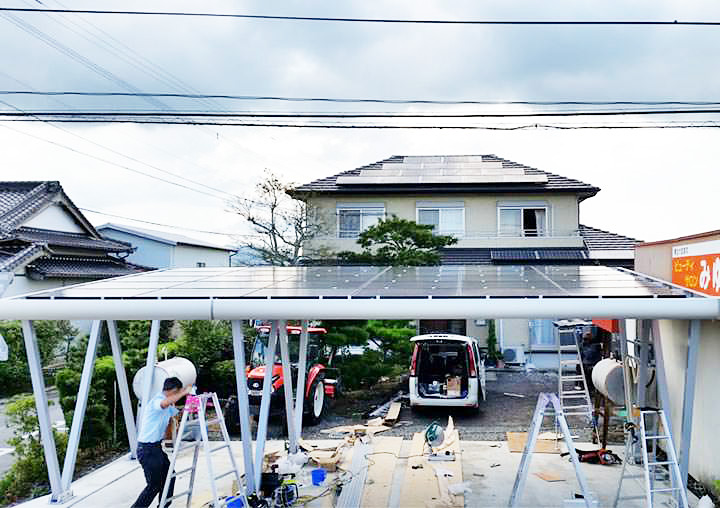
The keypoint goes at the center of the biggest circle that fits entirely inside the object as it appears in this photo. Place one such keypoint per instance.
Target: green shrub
(222, 377)
(28, 476)
(364, 370)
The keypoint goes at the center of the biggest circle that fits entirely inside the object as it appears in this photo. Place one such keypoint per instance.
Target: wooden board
(516, 443)
(393, 413)
(380, 471)
(420, 486)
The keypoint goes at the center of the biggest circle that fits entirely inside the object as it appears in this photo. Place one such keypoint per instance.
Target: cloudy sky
(656, 183)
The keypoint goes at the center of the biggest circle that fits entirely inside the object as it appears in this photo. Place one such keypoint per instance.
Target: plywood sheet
(420, 485)
(393, 413)
(516, 443)
(381, 467)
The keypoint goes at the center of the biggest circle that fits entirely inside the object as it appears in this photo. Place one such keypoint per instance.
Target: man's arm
(172, 399)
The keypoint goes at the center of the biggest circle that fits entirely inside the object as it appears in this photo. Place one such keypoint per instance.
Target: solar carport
(345, 292)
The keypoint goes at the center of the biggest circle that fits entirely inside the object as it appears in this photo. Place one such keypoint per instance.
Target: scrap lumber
(354, 430)
(352, 492)
(393, 413)
(380, 472)
(516, 443)
(421, 487)
(383, 408)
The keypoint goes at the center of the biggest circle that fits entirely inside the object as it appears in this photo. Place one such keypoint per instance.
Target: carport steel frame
(281, 309)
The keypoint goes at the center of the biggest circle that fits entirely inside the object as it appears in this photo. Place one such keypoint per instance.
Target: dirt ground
(497, 415)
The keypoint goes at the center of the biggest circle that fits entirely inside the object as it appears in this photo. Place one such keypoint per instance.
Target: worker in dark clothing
(590, 355)
(155, 417)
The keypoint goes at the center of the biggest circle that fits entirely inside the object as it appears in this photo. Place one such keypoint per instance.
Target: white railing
(475, 235)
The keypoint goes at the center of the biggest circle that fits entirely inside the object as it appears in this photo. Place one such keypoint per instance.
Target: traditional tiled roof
(14, 255)
(65, 239)
(68, 267)
(597, 239)
(554, 183)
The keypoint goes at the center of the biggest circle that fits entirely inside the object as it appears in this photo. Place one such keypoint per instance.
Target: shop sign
(697, 266)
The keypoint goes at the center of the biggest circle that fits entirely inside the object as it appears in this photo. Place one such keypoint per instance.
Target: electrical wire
(365, 20)
(363, 101)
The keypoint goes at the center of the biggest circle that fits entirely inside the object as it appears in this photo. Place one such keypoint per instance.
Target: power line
(165, 225)
(360, 101)
(366, 20)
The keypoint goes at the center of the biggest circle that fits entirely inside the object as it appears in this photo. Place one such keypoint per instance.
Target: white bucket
(178, 367)
(607, 376)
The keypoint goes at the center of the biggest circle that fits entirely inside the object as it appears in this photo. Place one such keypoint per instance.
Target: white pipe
(400, 308)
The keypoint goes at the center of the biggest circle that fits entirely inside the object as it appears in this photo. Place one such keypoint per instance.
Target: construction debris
(393, 413)
(382, 410)
(550, 476)
(514, 395)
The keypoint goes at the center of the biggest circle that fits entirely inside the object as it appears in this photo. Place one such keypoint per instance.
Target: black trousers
(155, 465)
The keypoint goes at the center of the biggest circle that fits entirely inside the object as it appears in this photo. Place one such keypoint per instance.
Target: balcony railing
(479, 235)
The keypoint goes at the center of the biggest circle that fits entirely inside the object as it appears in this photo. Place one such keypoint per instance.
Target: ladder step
(575, 395)
(568, 348)
(182, 471)
(232, 471)
(669, 489)
(185, 493)
(569, 362)
(577, 414)
(584, 406)
(657, 437)
(226, 445)
(572, 378)
(663, 463)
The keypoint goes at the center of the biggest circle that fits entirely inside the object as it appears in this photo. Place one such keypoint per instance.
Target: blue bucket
(318, 476)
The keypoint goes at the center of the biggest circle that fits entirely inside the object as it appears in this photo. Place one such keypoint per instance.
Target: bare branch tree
(283, 224)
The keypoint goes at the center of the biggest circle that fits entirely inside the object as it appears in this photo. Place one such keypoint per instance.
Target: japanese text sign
(697, 266)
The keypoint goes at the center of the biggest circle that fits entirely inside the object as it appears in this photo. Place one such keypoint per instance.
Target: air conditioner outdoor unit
(514, 354)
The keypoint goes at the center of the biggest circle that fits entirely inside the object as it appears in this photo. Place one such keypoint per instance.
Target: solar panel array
(509, 281)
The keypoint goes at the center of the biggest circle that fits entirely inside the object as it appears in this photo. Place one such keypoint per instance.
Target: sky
(656, 183)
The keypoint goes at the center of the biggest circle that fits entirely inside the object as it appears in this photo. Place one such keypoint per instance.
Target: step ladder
(649, 445)
(574, 402)
(541, 410)
(194, 415)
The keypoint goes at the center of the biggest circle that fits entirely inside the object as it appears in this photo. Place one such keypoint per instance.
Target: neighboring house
(502, 212)
(45, 241)
(167, 250)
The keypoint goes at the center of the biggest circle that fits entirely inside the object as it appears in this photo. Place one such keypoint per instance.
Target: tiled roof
(555, 183)
(14, 255)
(597, 239)
(64, 239)
(81, 267)
(19, 200)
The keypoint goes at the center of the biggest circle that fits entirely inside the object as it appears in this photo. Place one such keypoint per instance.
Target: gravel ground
(497, 415)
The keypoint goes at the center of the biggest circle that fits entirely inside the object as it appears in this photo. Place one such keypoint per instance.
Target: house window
(354, 218)
(522, 221)
(542, 334)
(200, 264)
(445, 218)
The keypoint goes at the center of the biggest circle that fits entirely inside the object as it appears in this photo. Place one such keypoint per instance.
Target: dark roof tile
(597, 239)
(64, 239)
(67, 267)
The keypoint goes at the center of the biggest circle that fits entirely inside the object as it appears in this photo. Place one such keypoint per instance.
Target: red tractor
(320, 381)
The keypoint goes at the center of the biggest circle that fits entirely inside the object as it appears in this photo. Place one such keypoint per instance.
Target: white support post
(300, 389)
(243, 405)
(123, 387)
(80, 406)
(41, 404)
(265, 401)
(149, 369)
(643, 340)
(689, 398)
(287, 387)
(622, 339)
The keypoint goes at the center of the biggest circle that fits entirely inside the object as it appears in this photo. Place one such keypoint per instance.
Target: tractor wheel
(316, 401)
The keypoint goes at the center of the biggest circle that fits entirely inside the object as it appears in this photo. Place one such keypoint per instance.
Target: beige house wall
(513, 332)
(481, 218)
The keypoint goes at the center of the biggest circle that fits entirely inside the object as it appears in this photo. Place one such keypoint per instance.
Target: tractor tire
(316, 402)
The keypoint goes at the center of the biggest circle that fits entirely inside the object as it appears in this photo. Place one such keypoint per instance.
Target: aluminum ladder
(649, 445)
(545, 399)
(195, 414)
(574, 402)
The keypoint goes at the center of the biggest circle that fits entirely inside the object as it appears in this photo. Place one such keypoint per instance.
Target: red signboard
(697, 266)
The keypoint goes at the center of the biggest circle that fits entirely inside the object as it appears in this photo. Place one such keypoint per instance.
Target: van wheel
(316, 402)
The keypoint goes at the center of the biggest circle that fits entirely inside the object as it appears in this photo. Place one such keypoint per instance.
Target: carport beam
(689, 398)
(300, 390)
(123, 387)
(287, 387)
(265, 402)
(243, 405)
(80, 407)
(41, 404)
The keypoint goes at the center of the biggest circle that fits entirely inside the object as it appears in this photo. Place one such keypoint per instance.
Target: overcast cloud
(656, 183)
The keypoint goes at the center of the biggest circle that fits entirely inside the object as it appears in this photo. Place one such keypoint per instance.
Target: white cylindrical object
(607, 376)
(178, 367)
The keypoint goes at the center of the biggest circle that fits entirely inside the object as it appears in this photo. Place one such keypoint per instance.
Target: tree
(393, 338)
(283, 224)
(398, 242)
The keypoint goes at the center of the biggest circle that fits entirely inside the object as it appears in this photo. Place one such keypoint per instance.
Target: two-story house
(503, 213)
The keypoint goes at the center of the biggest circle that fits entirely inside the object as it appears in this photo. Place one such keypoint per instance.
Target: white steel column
(643, 341)
(627, 382)
(243, 405)
(689, 398)
(123, 387)
(300, 388)
(41, 404)
(80, 407)
(287, 386)
(265, 402)
(149, 369)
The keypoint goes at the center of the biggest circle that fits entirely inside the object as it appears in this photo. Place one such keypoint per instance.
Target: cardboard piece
(453, 386)
(516, 443)
(550, 476)
(393, 413)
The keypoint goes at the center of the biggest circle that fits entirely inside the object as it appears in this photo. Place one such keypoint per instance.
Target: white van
(446, 370)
